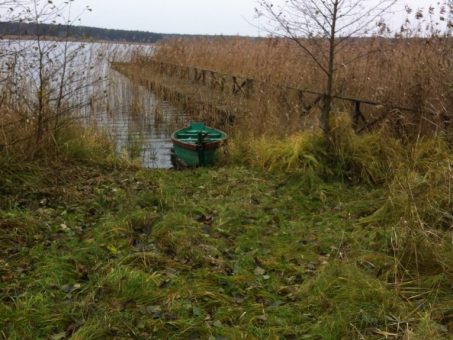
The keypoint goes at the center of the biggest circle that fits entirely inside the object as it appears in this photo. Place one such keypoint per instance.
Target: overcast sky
(229, 17)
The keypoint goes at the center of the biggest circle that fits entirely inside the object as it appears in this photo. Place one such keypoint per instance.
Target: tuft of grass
(131, 284)
(369, 158)
(85, 145)
(351, 303)
(419, 202)
(134, 146)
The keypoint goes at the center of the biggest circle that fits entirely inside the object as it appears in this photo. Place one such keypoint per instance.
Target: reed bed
(414, 73)
(33, 110)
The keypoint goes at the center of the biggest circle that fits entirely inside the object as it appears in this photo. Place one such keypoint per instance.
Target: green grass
(95, 251)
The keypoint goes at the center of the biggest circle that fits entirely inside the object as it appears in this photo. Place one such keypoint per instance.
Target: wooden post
(237, 88)
(301, 102)
(357, 115)
(222, 83)
(234, 90)
(194, 75)
(195, 78)
(213, 80)
(203, 77)
(249, 87)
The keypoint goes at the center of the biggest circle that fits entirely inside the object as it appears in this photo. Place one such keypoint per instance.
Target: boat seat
(195, 135)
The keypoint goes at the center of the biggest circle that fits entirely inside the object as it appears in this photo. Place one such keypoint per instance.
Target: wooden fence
(247, 87)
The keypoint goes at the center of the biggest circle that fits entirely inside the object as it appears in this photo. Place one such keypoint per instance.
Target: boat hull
(188, 152)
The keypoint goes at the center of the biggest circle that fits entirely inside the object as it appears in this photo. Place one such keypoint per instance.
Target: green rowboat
(196, 145)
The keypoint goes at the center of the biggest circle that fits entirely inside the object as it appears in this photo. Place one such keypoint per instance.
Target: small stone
(67, 288)
(153, 309)
(199, 218)
(170, 316)
(58, 336)
(311, 266)
(262, 317)
(239, 300)
(259, 271)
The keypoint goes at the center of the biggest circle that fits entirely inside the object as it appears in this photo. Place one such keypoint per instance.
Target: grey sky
(229, 17)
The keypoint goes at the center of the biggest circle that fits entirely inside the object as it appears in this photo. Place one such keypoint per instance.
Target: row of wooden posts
(247, 88)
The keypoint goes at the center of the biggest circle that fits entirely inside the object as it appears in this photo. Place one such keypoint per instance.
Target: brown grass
(413, 73)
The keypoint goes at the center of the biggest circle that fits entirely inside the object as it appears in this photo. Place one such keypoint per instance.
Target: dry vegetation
(413, 73)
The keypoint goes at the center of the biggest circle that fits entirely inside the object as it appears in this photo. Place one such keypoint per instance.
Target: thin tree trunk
(62, 83)
(327, 102)
(40, 128)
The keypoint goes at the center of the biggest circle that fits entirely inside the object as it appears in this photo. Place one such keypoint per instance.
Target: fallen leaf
(58, 336)
(7, 277)
(217, 323)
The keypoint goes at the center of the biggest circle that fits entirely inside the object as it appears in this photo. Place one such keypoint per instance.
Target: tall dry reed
(413, 72)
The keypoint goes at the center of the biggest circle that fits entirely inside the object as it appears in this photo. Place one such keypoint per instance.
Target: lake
(135, 119)
(139, 122)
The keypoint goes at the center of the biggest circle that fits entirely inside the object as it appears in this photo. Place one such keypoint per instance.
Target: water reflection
(138, 122)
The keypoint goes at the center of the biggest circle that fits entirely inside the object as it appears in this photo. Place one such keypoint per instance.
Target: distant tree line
(77, 32)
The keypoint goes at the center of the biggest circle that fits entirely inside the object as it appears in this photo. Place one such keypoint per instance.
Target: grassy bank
(94, 248)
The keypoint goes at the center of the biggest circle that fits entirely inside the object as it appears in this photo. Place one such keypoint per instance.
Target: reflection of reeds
(135, 145)
(158, 115)
(169, 90)
(136, 101)
(140, 110)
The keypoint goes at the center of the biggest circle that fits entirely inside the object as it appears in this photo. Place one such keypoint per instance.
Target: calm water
(137, 121)
(139, 124)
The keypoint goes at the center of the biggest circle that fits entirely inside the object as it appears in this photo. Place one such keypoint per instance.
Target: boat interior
(191, 134)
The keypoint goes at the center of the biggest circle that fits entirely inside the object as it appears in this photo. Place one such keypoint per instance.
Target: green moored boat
(196, 145)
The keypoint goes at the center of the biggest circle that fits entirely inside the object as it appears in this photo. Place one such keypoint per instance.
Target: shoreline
(70, 39)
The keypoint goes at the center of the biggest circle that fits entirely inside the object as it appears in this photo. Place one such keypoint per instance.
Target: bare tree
(321, 28)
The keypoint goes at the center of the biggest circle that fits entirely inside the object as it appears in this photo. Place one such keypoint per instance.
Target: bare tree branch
(319, 27)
